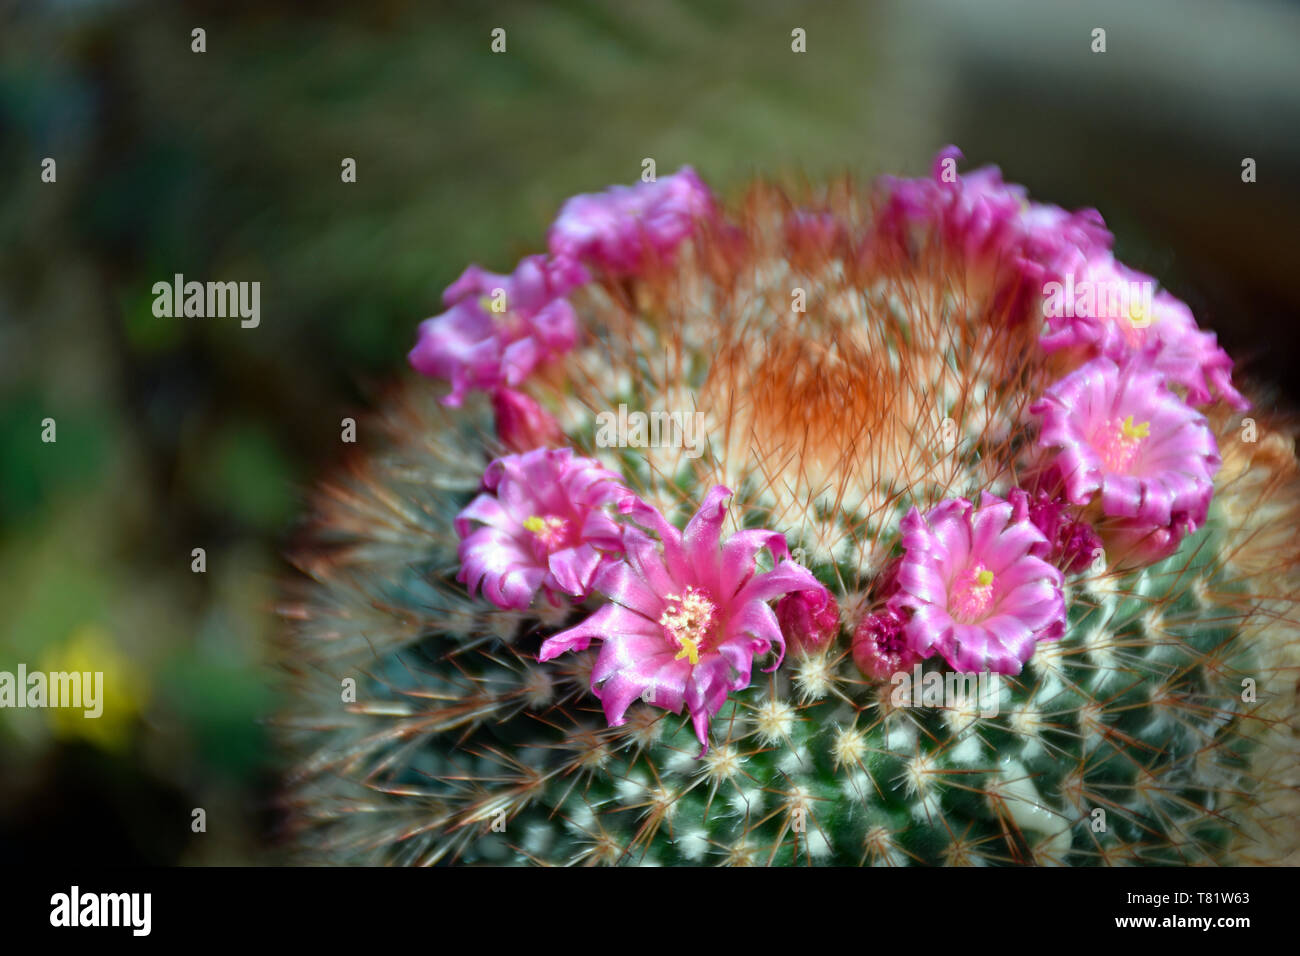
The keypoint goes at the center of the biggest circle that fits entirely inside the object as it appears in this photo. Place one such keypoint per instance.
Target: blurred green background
(182, 433)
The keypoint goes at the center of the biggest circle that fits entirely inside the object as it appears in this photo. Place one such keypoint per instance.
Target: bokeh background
(183, 433)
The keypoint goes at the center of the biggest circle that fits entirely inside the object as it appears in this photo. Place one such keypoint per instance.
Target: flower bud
(880, 647)
(522, 424)
(809, 619)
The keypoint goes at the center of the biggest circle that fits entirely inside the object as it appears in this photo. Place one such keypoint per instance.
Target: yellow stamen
(984, 578)
(492, 304)
(1135, 432)
(690, 649)
(535, 524)
(688, 618)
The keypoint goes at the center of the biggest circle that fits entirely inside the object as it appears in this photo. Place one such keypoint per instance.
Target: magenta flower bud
(880, 647)
(1076, 546)
(1072, 543)
(522, 424)
(809, 619)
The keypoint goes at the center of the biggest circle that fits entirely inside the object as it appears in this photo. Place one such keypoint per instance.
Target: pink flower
(977, 213)
(522, 424)
(1057, 239)
(976, 588)
(992, 222)
(1136, 543)
(497, 329)
(1102, 307)
(1121, 434)
(809, 619)
(542, 527)
(687, 613)
(880, 646)
(622, 227)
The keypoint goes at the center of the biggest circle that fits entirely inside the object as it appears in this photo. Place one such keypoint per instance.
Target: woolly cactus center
(973, 594)
(551, 531)
(1118, 442)
(688, 620)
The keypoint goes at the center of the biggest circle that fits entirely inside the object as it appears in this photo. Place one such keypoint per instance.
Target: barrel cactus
(898, 524)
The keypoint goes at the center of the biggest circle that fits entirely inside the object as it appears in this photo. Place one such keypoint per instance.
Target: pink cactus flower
(541, 526)
(1119, 433)
(624, 226)
(498, 329)
(1101, 307)
(522, 424)
(976, 588)
(1136, 543)
(990, 221)
(809, 619)
(1058, 239)
(687, 614)
(977, 213)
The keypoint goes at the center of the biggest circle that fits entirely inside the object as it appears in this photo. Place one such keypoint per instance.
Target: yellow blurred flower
(123, 692)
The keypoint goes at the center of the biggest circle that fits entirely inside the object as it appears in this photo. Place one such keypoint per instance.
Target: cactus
(888, 382)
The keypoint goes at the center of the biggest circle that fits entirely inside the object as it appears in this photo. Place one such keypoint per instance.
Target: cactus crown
(1037, 607)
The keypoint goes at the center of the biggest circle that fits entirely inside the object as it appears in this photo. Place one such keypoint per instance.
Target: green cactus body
(1158, 730)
